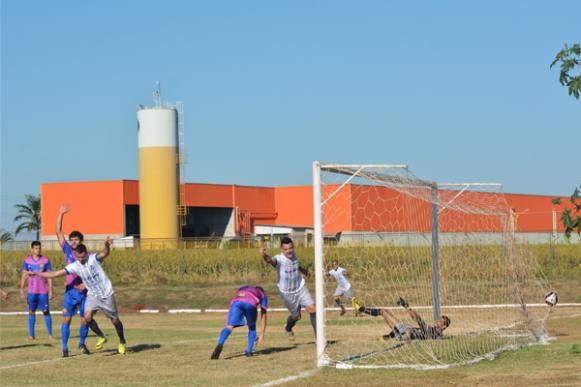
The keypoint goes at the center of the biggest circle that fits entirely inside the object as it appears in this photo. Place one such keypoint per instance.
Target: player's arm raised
(59, 223)
(267, 258)
(101, 255)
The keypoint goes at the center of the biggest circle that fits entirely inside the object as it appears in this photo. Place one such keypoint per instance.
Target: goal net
(447, 249)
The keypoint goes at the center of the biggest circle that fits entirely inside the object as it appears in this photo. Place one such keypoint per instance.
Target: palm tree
(5, 236)
(29, 213)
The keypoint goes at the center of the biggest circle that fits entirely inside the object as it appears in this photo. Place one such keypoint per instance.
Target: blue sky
(461, 91)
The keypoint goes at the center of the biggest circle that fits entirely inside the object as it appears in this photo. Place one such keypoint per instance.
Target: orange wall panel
(254, 199)
(131, 192)
(96, 207)
(209, 195)
(294, 206)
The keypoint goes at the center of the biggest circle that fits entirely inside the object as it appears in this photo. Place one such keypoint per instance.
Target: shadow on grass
(266, 351)
(24, 346)
(134, 349)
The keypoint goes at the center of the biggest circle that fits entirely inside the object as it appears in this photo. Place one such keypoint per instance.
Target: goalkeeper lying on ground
(403, 331)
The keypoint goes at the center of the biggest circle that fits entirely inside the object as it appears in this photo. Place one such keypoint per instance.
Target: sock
(65, 333)
(370, 311)
(83, 333)
(251, 338)
(338, 302)
(119, 329)
(314, 322)
(31, 322)
(224, 336)
(48, 322)
(290, 323)
(95, 328)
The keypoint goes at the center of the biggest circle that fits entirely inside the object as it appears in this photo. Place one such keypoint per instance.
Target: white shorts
(294, 301)
(344, 293)
(108, 305)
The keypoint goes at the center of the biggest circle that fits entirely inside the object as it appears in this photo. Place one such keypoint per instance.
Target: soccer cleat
(50, 338)
(84, 350)
(356, 305)
(216, 353)
(402, 302)
(248, 354)
(122, 348)
(100, 343)
(343, 311)
(290, 334)
(65, 353)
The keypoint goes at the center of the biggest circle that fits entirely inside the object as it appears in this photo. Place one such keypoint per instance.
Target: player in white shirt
(344, 288)
(101, 295)
(291, 285)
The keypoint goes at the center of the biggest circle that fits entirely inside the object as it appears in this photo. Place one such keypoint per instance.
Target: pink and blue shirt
(36, 284)
(251, 295)
(73, 280)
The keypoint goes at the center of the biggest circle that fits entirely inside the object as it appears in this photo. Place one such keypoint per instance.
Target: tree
(29, 214)
(571, 217)
(570, 60)
(5, 236)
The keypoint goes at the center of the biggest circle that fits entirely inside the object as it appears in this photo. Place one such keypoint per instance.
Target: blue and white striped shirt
(290, 279)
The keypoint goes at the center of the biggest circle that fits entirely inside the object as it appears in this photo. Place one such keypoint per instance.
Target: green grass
(174, 350)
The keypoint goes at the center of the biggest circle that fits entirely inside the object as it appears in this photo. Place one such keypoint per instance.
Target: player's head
(81, 252)
(75, 239)
(335, 263)
(287, 246)
(261, 289)
(442, 323)
(36, 248)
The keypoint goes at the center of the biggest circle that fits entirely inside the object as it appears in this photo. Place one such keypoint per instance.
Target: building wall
(96, 207)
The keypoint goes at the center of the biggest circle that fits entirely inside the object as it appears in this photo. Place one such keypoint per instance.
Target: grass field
(174, 350)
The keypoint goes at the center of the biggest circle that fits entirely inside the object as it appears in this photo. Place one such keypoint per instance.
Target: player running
(100, 294)
(291, 285)
(405, 332)
(243, 307)
(75, 293)
(39, 289)
(344, 288)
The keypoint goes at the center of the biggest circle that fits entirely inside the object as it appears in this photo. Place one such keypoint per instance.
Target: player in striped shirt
(291, 285)
(75, 292)
(39, 289)
(101, 295)
(344, 288)
(243, 308)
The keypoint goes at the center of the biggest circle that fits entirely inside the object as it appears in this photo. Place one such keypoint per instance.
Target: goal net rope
(447, 249)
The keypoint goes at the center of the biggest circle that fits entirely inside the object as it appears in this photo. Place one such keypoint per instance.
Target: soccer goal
(446, 249)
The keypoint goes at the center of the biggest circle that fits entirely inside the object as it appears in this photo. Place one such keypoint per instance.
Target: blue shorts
(73, 300)
(241, 311)
(38, 301)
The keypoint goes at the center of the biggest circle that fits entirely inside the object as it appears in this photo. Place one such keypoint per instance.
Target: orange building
(103, 208)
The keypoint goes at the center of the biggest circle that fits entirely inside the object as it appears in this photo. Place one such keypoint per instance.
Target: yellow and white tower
(158, 172)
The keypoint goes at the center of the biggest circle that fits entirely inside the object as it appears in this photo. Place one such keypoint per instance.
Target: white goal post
(388, 224)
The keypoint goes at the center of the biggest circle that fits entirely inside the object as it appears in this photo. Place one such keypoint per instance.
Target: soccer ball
(551, 298)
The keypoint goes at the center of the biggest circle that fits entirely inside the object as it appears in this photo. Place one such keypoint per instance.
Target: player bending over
(39, 289)
(291, 285)
(243, 307)
(100, 291)
(403, 331)
(344, 288)
(75, 293)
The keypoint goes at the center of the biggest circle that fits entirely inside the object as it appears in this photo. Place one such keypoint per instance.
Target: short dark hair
(261, 289)
(76, 234)
(285, 241)
(81, 248)
(446, 320)
(35, 243)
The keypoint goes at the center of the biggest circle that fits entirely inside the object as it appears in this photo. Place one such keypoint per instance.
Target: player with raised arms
(75, 292)
(39, 289)
(243, 306)
(344, 288)
(101, 295)
(291, 285)
(405, 332)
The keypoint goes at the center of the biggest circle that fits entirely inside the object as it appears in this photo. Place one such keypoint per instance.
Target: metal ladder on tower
(181, 161)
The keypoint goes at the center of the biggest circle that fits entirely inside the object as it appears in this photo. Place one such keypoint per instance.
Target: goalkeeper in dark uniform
(402, 331)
